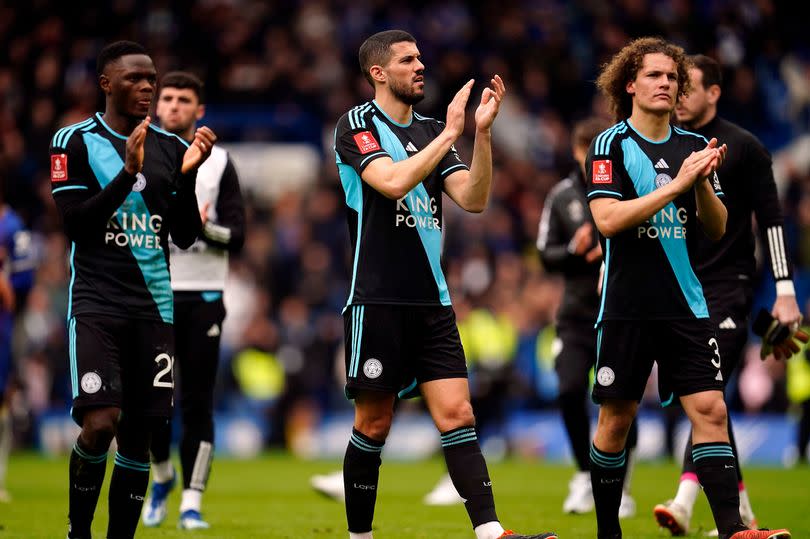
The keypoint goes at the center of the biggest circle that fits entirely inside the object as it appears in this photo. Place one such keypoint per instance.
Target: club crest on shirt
(602, 171)
(140, 183)
(366, 142)
(662, 179)
(59, 172)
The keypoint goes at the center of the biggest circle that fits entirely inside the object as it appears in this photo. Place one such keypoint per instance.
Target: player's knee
(712, 412)
(614, 423)
(458, 414)
(376, 426)
(99, 427)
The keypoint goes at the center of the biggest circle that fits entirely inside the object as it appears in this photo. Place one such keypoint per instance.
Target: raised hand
(133, 160)
(199, 149)
(490, 103)
(456, 110)
(697, 166)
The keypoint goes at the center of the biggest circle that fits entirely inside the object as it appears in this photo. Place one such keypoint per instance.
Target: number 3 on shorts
(716, 348)
(158, 381)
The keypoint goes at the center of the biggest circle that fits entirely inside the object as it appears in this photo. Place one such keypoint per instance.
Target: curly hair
(624, 67)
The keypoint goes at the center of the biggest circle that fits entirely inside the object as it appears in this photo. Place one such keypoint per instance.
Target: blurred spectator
(284, 71)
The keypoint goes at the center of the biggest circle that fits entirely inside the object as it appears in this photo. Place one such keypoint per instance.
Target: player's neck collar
(410, 120)
(651, 141)
(108, 128)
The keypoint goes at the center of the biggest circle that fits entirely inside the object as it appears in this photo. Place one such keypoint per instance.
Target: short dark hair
(586, 130)
(709, 67)
(114, 51)
(376, 50)
(183, 80)
(625, 65)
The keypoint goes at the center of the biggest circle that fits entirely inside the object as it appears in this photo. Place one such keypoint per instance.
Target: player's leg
(625, 352)
(148, 387)
(94, 353)
(198, 357)
(572, 365)
(627, 507)
(88, 463)
(698, 382)
(374, 340)
(609, 462)
(374, 412)
(130, 475)
(441, 375)
(164, 476)
(715, 464)
(732, 335)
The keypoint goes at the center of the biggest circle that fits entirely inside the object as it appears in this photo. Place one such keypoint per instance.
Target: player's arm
(470, 188)
(613, 215)
(84, 210)
(228, 232)
(711, 212)
(185, 222)
(396, 179)
(562, 240)
(770, 221)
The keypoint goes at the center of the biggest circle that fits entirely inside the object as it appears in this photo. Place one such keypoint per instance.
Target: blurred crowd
(285, 71)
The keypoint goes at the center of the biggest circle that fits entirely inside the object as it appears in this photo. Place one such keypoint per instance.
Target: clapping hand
(491, 99)
(199, 149)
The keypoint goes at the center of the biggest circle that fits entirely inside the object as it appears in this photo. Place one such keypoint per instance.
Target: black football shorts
(394, 348)
(687, 353)
(121, 362)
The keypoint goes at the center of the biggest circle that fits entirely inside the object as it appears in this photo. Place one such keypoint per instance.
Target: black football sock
(361, 472)
(468, 470)
(607, 478)
(127, 490)
(716, 470)
(86, 477)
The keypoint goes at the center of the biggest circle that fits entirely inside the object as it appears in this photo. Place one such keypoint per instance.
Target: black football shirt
(648, 268)
(119, 225)
(396, 244)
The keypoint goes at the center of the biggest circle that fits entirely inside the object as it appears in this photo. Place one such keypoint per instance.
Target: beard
(406, 94)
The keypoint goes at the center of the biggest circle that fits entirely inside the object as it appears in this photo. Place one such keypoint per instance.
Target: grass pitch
(270, 498)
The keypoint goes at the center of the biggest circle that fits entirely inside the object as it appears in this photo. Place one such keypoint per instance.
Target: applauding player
(652, 189)
(400, 328)
(122, 186)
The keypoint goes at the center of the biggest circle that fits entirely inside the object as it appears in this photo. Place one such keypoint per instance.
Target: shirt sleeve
(228, 231)
(186, 223)
(357, 142)
(558, 223)
(85, 207)
(451, 162)
(768, 210)
(603, 170)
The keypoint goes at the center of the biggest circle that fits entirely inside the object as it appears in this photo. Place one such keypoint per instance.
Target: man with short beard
(400, 327)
